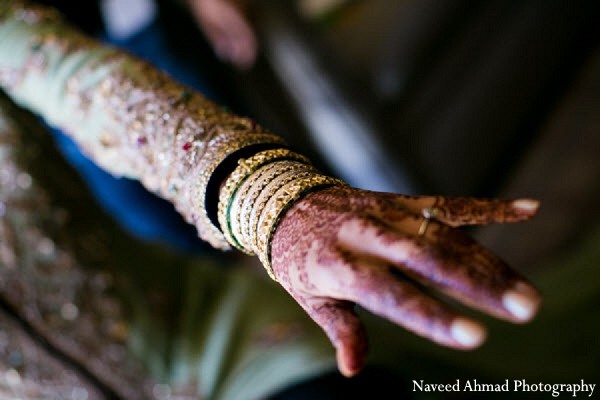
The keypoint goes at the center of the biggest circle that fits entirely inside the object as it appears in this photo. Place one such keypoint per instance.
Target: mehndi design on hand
(343, 246)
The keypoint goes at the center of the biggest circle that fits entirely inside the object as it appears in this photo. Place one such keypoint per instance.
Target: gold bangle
(278, 204)
(217, 150)
(244, 199)
(247, 166)
(258, 208)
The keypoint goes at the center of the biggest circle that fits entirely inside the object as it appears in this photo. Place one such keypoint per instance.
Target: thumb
(345, 331)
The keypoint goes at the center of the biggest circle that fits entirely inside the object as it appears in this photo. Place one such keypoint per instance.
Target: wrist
(258, 192)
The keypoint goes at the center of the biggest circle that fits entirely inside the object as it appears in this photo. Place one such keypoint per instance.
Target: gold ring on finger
(423, 227)
(430, 212)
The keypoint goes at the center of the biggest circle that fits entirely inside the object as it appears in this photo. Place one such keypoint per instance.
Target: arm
(330, 246)
(128, 117)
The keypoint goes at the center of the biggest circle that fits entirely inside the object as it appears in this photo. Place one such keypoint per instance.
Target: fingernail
(468, 333)
(345, 366)
(522, 301)
(526, 204)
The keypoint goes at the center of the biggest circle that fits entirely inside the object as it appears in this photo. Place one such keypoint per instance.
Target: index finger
(450, 262)
(460, 211)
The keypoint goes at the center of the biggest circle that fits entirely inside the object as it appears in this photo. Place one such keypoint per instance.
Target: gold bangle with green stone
(258, 208)
(217, 151)
(278, 205)
(245, 198)
(247, 166)
(242, 200)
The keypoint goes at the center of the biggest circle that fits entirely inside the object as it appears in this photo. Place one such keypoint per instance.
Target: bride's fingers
(343, 328)
(381, 290)
(460, 211)
(449, 261)
(483, 268)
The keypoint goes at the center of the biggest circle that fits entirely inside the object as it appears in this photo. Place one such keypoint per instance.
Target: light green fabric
(226, 335)
(43, 83)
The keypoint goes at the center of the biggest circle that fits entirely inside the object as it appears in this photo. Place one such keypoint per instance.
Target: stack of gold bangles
(258, 192)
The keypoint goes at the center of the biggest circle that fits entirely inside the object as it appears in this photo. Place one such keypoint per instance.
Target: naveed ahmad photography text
(516, 385)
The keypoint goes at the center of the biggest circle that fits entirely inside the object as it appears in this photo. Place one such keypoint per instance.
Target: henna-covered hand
(342, 246)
